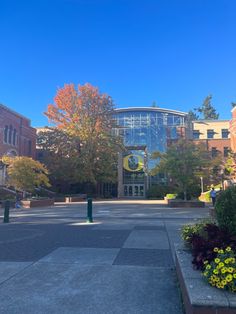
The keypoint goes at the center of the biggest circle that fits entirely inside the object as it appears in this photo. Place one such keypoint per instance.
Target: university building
(144, 131)
(17, 137)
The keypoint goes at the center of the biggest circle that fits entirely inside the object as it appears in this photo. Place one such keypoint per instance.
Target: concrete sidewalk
(51, 261)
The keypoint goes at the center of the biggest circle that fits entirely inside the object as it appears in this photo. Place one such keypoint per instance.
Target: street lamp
(201, 184)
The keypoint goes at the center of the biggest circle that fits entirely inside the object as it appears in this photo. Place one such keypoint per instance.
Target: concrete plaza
(52, 261)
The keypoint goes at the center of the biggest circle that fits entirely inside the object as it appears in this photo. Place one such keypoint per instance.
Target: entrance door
(134, 190)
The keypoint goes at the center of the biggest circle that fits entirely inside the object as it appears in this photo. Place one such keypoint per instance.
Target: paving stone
(67, 288)
(147, 239)
(144, 257)
(9, 269)
(82, 256)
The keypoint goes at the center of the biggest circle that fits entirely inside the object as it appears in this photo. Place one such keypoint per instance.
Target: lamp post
(202, 190)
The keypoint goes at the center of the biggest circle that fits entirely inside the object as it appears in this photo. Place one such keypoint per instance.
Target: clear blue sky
(174, 52)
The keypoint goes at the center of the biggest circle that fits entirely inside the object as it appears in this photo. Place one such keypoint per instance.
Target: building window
(29, 148)
(10, 135)
(6, 134)
(213, 152)
(210, 133)
(14, 137)
(224, 133)
(196, 134)
(226, 151)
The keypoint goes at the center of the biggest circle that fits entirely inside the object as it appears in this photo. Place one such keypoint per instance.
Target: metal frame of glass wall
(153, 129)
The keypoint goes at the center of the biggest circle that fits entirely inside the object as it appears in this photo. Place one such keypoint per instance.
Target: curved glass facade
(150, 128)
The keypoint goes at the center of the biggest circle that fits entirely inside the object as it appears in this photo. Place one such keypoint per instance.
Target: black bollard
(90, 210)
(6, 211)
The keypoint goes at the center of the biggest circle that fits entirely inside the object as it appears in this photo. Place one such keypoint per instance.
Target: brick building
(232, 129)
(214, 134)
(17, 137)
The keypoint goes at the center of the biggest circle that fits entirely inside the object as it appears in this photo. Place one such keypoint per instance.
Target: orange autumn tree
(87, 114)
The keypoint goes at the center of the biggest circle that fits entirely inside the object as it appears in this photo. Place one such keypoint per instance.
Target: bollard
(6, 212)
(90, 210)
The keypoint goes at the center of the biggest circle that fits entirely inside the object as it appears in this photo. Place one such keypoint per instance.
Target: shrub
(187, 231)
(221, 272)
(158, 191)
(226, 209)
(171, 196)
(203, 246)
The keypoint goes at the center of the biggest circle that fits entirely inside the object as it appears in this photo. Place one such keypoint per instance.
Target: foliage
(203, 243)
(157, 191)
(192, 115)
(85, 116)
(226, 209)
(171, 196)
(221, 272)
(184, 162)
(25, 174)
(207, 110)
(187, 231)
(205, 197)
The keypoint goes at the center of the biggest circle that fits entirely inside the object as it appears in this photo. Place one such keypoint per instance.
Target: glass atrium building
(144, 131)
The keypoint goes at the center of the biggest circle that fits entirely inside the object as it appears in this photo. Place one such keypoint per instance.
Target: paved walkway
(52, 261)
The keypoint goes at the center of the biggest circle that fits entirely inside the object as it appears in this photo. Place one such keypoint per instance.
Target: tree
(25, 174)
(86, 114)
(233, 104)
(207, 110)
(192, 115)
(184, 162)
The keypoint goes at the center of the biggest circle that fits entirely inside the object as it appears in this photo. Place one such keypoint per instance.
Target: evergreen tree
(207, 110)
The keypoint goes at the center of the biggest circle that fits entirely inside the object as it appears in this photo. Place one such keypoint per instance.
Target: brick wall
(17, 137)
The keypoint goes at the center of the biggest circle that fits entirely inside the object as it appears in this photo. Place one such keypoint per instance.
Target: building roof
(155, 109)
(14, 112)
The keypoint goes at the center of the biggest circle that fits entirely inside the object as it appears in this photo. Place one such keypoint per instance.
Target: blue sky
(173, 52)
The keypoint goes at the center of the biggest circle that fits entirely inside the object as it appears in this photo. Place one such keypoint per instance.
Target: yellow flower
(221, 251)
(205, 262)
(215, 271)
(229, 278)
(230, 269)
(228, 249)
(205, 273)
(233, 260)
(218, 285)
(227, 261)
(223, 270)
(224, 282)
(216, 249)
(221, 264)
(234, 275)
(208, 266)
(217, 260)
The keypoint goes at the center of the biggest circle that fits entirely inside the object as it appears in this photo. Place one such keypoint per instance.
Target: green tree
(207, 110)
(25, 174)
(184, 162)
(192, 115)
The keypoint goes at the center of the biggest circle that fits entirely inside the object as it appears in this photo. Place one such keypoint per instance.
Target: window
(14, 137)
(226, 151)
(196, 134)
(29, 148)
(210, 133)
(224, 133)
(6, 134)
(213, 152)
(10, 135)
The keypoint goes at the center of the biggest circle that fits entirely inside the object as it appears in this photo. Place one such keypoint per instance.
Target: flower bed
(212, 244)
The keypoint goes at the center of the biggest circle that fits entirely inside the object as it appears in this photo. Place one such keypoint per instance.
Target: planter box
(37, 203)
(59, 199)
(185, 204)
(198, 296)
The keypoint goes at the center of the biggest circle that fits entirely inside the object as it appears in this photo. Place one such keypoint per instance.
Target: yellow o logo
(133, 163)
